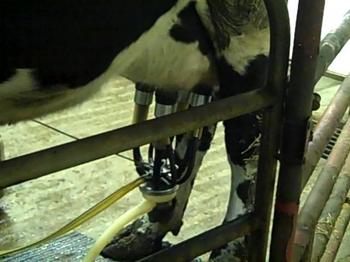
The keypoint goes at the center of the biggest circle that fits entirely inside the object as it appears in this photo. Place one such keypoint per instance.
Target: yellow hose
(87, 215)
(146, 206)
(141, 209)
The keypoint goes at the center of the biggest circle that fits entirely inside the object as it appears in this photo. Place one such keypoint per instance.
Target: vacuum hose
(132, 214)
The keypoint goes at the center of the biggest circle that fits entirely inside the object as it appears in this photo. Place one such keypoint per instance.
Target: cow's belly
(166, 63)
(158, 58)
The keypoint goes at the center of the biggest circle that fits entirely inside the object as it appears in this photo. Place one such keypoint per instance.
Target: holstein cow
(56, 54)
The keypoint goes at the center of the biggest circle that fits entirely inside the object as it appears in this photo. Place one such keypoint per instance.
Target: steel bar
(331, 211)
(295, 130)
(265, 188)
(271, 133)
(326, 128)
(43, 162)
(331, 45)
(320, 192)
(343, 252)
(211, 239)
(335, 75)
(338, 233)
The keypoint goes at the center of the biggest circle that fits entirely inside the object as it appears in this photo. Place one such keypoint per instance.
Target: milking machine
(163, 162)
(165, 169)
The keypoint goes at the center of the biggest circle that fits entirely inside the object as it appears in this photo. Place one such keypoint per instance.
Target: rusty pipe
(331, 45)
(326, 128)
(298, 106)
(319, 194)
(331, 211)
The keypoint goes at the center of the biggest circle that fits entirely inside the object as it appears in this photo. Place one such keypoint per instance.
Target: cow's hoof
(232, 252)
(134, 242)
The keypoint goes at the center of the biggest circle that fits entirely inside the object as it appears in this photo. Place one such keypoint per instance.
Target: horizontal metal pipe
(326, 128)
(335, 240)
(319, 194)
(334, 75)
(331, 211)
(340, 238)
(209, 240)
(50, 160)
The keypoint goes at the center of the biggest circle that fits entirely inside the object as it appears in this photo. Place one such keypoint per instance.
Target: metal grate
(332, 141)
(69, 248)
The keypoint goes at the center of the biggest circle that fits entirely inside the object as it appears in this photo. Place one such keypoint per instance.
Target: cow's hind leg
(242, 139)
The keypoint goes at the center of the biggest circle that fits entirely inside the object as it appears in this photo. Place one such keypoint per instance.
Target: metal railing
(40, 163)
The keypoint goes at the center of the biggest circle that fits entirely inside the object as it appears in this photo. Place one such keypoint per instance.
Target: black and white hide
(56, 54)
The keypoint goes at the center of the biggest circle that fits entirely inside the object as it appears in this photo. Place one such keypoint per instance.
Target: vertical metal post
(270, 142)
(2, 150)
(296, 126)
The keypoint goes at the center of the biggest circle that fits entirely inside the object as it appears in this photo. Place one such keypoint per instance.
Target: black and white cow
(57, 53)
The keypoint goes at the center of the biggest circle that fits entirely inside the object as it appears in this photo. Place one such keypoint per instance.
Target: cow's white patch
(244, 48)
(235, 206)
(157, 59)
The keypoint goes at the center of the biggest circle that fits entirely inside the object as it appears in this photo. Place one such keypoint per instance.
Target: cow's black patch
(6, 73)
(72, 42)
(190, 29)
(243, 191)
(207, 137)
(232, 83)
(242, 131)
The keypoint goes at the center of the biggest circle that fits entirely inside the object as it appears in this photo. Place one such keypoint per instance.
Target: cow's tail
(21, 102)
